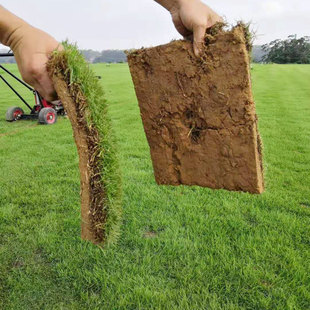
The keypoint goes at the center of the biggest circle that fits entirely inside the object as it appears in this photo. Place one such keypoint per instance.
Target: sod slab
(199, 114)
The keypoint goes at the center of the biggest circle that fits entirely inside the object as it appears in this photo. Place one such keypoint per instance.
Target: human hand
(193, 18)
(31, 48)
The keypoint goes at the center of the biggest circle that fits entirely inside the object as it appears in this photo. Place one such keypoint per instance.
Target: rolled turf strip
(83, 99)
(198, 113)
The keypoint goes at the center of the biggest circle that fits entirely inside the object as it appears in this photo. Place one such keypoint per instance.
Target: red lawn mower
(44, 111)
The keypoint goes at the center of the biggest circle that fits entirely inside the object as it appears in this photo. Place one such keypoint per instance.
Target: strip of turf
(83, 99)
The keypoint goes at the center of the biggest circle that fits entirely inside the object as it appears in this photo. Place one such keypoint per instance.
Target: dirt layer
(93, 215)
(198, 114)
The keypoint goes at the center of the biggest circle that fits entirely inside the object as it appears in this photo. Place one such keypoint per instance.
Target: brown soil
(86, 139)
(199, 114)
(150, 234)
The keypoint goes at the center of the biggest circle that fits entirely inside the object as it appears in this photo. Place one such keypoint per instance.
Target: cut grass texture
(83, 99)
(215, 250)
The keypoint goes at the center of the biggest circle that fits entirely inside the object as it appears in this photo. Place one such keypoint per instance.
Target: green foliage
(90, 55)
(291, 50)
(180, 247)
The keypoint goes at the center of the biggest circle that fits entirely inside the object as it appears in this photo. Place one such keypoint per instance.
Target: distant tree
(258, 54)
(90, 55)
(111, 56)
(291, 50)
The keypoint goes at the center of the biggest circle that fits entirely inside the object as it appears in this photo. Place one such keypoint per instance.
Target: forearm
(9, 24)
(169, 4)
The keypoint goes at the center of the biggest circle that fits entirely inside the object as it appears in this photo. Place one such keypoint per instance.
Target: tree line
(291, 50)
(106, 56)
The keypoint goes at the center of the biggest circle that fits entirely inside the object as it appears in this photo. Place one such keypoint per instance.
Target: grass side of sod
(180, 247)
(91, 111)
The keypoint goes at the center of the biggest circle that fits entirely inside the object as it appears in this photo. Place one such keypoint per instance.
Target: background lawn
(180, 247)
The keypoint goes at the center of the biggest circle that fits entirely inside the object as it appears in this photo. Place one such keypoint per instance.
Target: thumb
(199, 34)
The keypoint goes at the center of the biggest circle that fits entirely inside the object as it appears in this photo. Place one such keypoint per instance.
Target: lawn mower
(44, 111)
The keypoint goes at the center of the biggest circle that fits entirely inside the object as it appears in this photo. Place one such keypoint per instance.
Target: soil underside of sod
(199, 114)
(94, 208)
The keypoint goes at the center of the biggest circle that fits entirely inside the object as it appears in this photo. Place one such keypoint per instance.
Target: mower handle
(6, 54)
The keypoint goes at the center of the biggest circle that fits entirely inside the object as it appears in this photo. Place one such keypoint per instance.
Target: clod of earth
(82, 97)
(199, 114)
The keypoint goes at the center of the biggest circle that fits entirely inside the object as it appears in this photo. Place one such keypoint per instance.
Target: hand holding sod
(191, 18)
(31, 48)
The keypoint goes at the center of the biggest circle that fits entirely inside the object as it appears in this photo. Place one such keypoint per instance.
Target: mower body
(45, 112)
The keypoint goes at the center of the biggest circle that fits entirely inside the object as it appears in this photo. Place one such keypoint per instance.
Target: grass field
(180, 247)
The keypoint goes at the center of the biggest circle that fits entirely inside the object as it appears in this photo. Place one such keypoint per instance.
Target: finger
(199, 34)
(45, 87)
(180, 27)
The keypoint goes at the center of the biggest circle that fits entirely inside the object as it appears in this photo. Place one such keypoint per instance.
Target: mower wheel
(14, 114)
(47, 116)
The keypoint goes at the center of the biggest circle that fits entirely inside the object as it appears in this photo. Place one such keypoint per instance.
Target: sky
(124, 24)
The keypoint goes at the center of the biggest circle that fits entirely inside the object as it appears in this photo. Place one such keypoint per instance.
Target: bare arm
(8, 24)
(31, 48)
(191, 17)
(167, 4)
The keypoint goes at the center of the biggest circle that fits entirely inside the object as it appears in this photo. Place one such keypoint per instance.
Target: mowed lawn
(180, 247)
